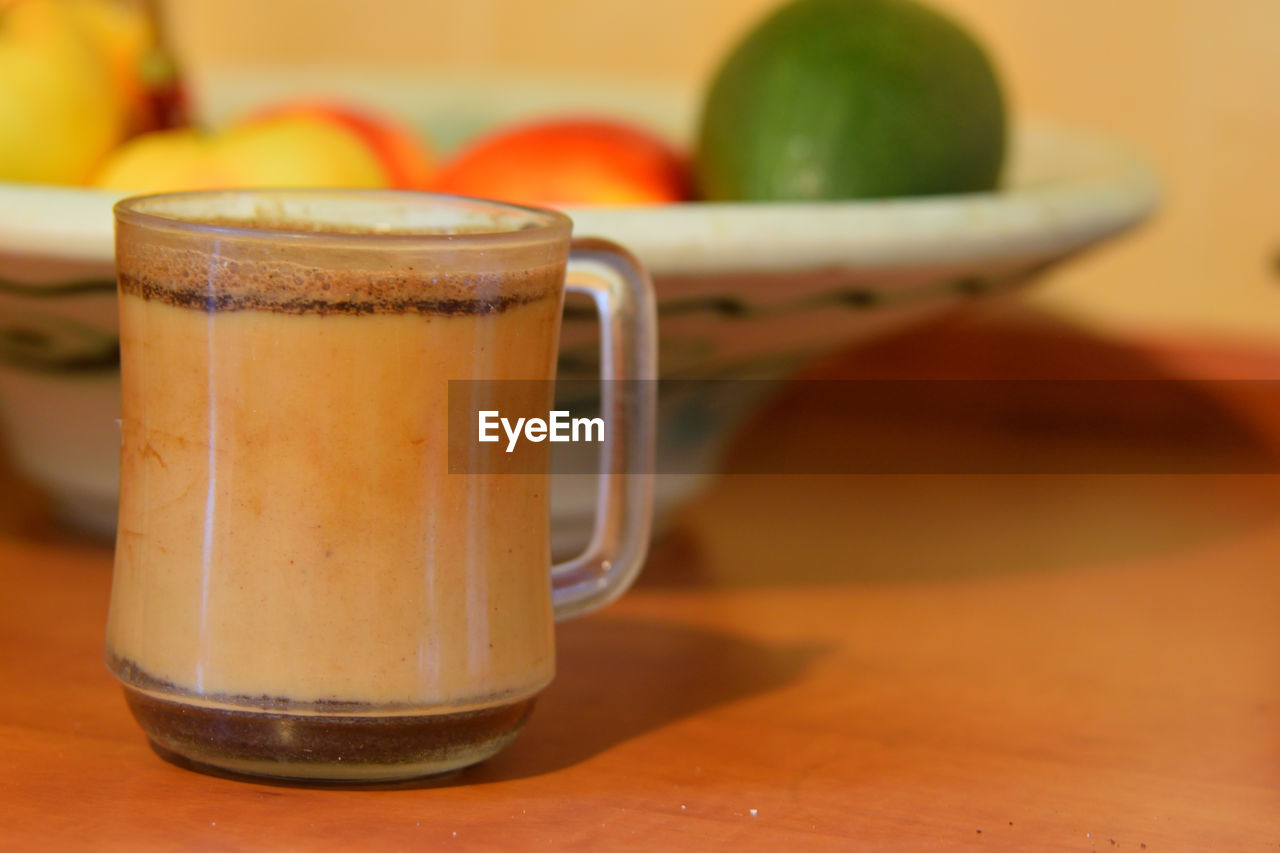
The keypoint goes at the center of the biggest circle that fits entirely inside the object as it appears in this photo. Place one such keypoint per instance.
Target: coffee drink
(301, 587)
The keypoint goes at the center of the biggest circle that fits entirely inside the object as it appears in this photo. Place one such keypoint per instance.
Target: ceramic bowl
(744, 291)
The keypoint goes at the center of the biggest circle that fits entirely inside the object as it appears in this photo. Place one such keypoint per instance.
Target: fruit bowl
(744, 291)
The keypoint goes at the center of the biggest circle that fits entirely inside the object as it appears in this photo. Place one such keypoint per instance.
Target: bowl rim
(1103, 187)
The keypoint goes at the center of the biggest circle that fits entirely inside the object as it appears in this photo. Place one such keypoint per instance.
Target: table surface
(1015, 661)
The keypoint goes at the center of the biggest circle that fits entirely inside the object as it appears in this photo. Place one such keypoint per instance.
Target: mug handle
(623, 295)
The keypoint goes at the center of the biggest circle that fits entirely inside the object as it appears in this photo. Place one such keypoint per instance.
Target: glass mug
(302, 589)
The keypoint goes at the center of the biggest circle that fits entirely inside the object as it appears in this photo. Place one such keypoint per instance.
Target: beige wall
(1196, 83)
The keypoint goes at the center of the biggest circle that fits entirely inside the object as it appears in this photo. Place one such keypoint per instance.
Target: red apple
(567, 162)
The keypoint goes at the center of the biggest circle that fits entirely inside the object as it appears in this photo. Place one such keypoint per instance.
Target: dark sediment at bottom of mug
(318, 748)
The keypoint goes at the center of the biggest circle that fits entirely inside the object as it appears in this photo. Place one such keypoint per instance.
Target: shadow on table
(619, 678)
(1029, 475)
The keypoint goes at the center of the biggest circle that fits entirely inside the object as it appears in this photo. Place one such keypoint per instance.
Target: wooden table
(1083, 662)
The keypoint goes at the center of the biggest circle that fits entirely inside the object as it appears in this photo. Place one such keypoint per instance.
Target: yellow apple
(184, 159)
(283, 151)
(404, 153)
(59, 111)
(301, 150)
(126, 35)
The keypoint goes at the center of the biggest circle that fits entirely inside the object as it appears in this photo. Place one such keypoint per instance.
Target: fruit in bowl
(308, 143)
(842, 99)
(60, 112)
(76, 78)
(746, 289)
(284, 149)
(405, 156)
(569, 161)
(141, 71)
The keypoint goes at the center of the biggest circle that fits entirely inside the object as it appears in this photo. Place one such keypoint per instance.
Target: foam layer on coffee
(190, 278)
